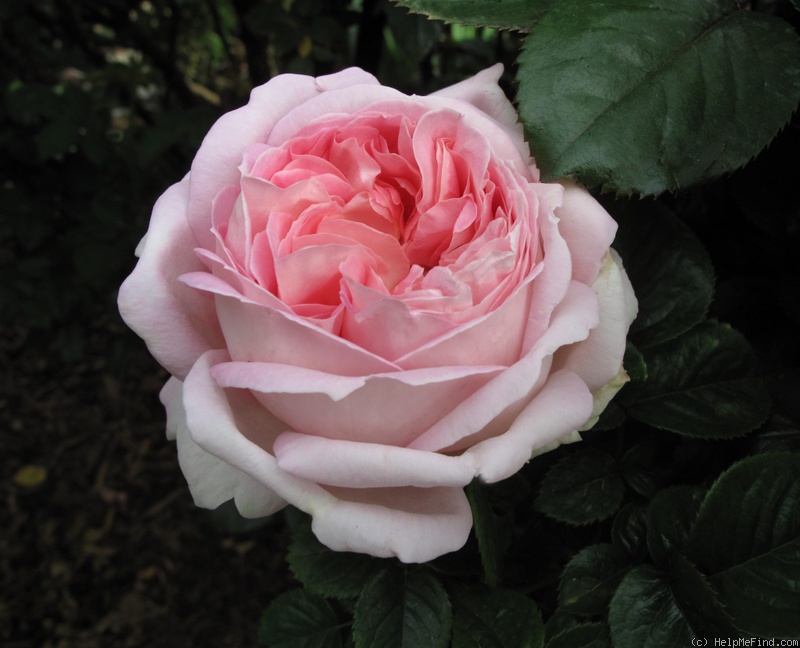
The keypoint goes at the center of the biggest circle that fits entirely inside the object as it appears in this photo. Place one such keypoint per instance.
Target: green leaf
(651, 611)
(701, 384)
(585, 635)
(640, 468)
(590, 579)
(584, 487)
(494, 618)
(698, 601)
(747, 538)
(402, 608)
(492, 532)
(335, 574)
(646, 97)
(299, 619)
(671, 274)
(503, 14)
(629, 531)
(669, 518)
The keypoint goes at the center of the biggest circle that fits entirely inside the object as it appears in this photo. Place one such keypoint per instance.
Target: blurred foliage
(103, 104)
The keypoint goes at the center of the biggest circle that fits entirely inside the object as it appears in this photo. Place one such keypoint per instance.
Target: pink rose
(366, 300)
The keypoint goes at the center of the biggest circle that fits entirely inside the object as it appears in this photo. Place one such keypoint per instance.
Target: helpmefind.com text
(753, 642)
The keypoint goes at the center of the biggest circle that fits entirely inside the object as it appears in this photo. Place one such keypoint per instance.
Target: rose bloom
(366, 300)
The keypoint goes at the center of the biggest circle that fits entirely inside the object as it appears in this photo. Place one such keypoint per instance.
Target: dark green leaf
(698, 601)
(645, 97)
(493, 533)
(299, 619)
(669, 518)
(747, 538)
(558, 622)
(590, 579)
(671, 274)
(629, 531)
(404, 609)
(505, 14)
(584, 487)
(647, 612)
(634, 361)
(640, 468)
(585, 635)
(329, 573)
(701, 384)
(494, 618)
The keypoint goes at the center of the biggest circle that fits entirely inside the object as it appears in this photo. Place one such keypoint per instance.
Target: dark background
(103, 104)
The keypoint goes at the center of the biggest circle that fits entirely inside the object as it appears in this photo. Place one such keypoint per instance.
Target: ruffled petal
(391, 408)
(414, 524)
(588, 230)
(178, 323)
(597, 360)
(492, 409)
(235, 429)
(211, 481)
(563, 405)
(367, 465)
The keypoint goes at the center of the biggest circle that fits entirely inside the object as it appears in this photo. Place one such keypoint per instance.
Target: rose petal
(483, 92)
(367, 465)
(588, 230)
(212, 481)
(178, 324)
(562, 406)
(414, 524)
(597, 359)
(492, 409)
(389, 408)
(233, 427)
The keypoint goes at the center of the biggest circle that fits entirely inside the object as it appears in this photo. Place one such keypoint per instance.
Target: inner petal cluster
(356, 211)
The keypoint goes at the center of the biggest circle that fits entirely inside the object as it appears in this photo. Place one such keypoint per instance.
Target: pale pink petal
(490, 410)
(345, 78)
(212, 481)
(483, 92)
(588, 230)
(343, 100)
(597, 360)
(390, 408)
(236, 430)
(495, 338)
(217, 162)
(178, 323)
(414, 524)
(552, 284)
(562, 406)
(367, 465)
(254, 333)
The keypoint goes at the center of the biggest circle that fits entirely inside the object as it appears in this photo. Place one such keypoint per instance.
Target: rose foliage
(367, 300)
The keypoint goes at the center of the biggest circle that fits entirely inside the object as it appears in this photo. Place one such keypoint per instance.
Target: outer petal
(368, 465)
(414, 524)
(588, 230)
(178, 323)
(391, 408)
(212, 481)
(562, 406)
(483, 92)
(494, 407)
(217, 162)
(597, 360)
